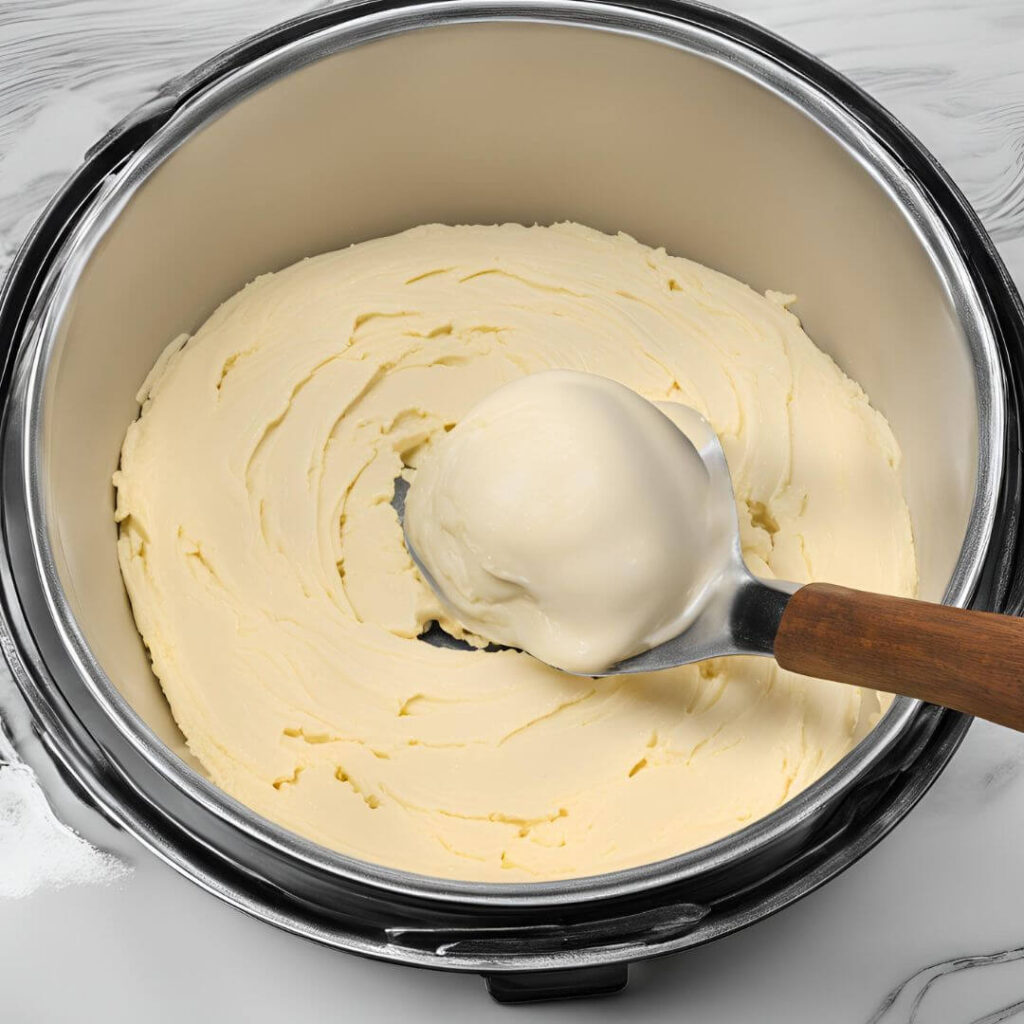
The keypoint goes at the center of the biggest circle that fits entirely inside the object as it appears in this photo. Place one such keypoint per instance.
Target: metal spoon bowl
(735, 611)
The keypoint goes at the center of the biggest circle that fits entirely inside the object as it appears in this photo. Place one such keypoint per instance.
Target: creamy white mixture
(270, 581)
(568, 517)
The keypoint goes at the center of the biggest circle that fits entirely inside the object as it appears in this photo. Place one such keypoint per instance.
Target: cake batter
(270, 582)
(568, 517)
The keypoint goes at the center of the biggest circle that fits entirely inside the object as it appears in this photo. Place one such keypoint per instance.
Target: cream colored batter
(269, 578)
(568, 517)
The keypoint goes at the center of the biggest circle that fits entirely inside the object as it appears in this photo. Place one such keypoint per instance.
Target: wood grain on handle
(969, 661)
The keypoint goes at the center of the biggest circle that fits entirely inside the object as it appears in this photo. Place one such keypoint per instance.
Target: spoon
(969, 661)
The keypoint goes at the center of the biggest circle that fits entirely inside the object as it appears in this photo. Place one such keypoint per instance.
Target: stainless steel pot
(678, 124)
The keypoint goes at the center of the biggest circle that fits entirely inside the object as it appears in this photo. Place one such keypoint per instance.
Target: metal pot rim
(850, 130)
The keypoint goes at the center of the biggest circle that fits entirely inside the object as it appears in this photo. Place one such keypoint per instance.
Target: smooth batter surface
(269, 578)
(567, 516)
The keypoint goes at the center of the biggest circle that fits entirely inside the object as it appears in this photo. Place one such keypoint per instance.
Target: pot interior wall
(496, 122)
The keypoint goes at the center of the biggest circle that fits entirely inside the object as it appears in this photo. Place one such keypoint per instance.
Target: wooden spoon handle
(969, 661)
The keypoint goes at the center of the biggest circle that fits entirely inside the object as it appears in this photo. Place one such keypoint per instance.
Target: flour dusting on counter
(37, 851)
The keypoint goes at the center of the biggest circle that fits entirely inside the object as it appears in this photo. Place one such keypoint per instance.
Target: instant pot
(679, 124)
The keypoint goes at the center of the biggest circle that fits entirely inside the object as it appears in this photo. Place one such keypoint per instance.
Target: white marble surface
(937, 908)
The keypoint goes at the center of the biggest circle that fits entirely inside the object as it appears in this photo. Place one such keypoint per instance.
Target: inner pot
(685, 129)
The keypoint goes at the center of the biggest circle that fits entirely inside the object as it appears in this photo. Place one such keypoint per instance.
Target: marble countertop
(926, 928)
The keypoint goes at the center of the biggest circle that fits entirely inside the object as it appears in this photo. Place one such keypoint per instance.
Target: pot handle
(543, 986)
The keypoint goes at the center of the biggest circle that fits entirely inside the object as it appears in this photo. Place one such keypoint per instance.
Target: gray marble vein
(910, 1001)
(933, 916)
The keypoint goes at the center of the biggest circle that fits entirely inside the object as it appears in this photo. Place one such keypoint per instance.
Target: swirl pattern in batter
(269, 579)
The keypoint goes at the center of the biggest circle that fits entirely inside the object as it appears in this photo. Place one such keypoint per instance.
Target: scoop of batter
(269, 578)
(567, 516)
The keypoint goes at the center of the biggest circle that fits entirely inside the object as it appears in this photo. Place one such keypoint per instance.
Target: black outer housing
(713, 904)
